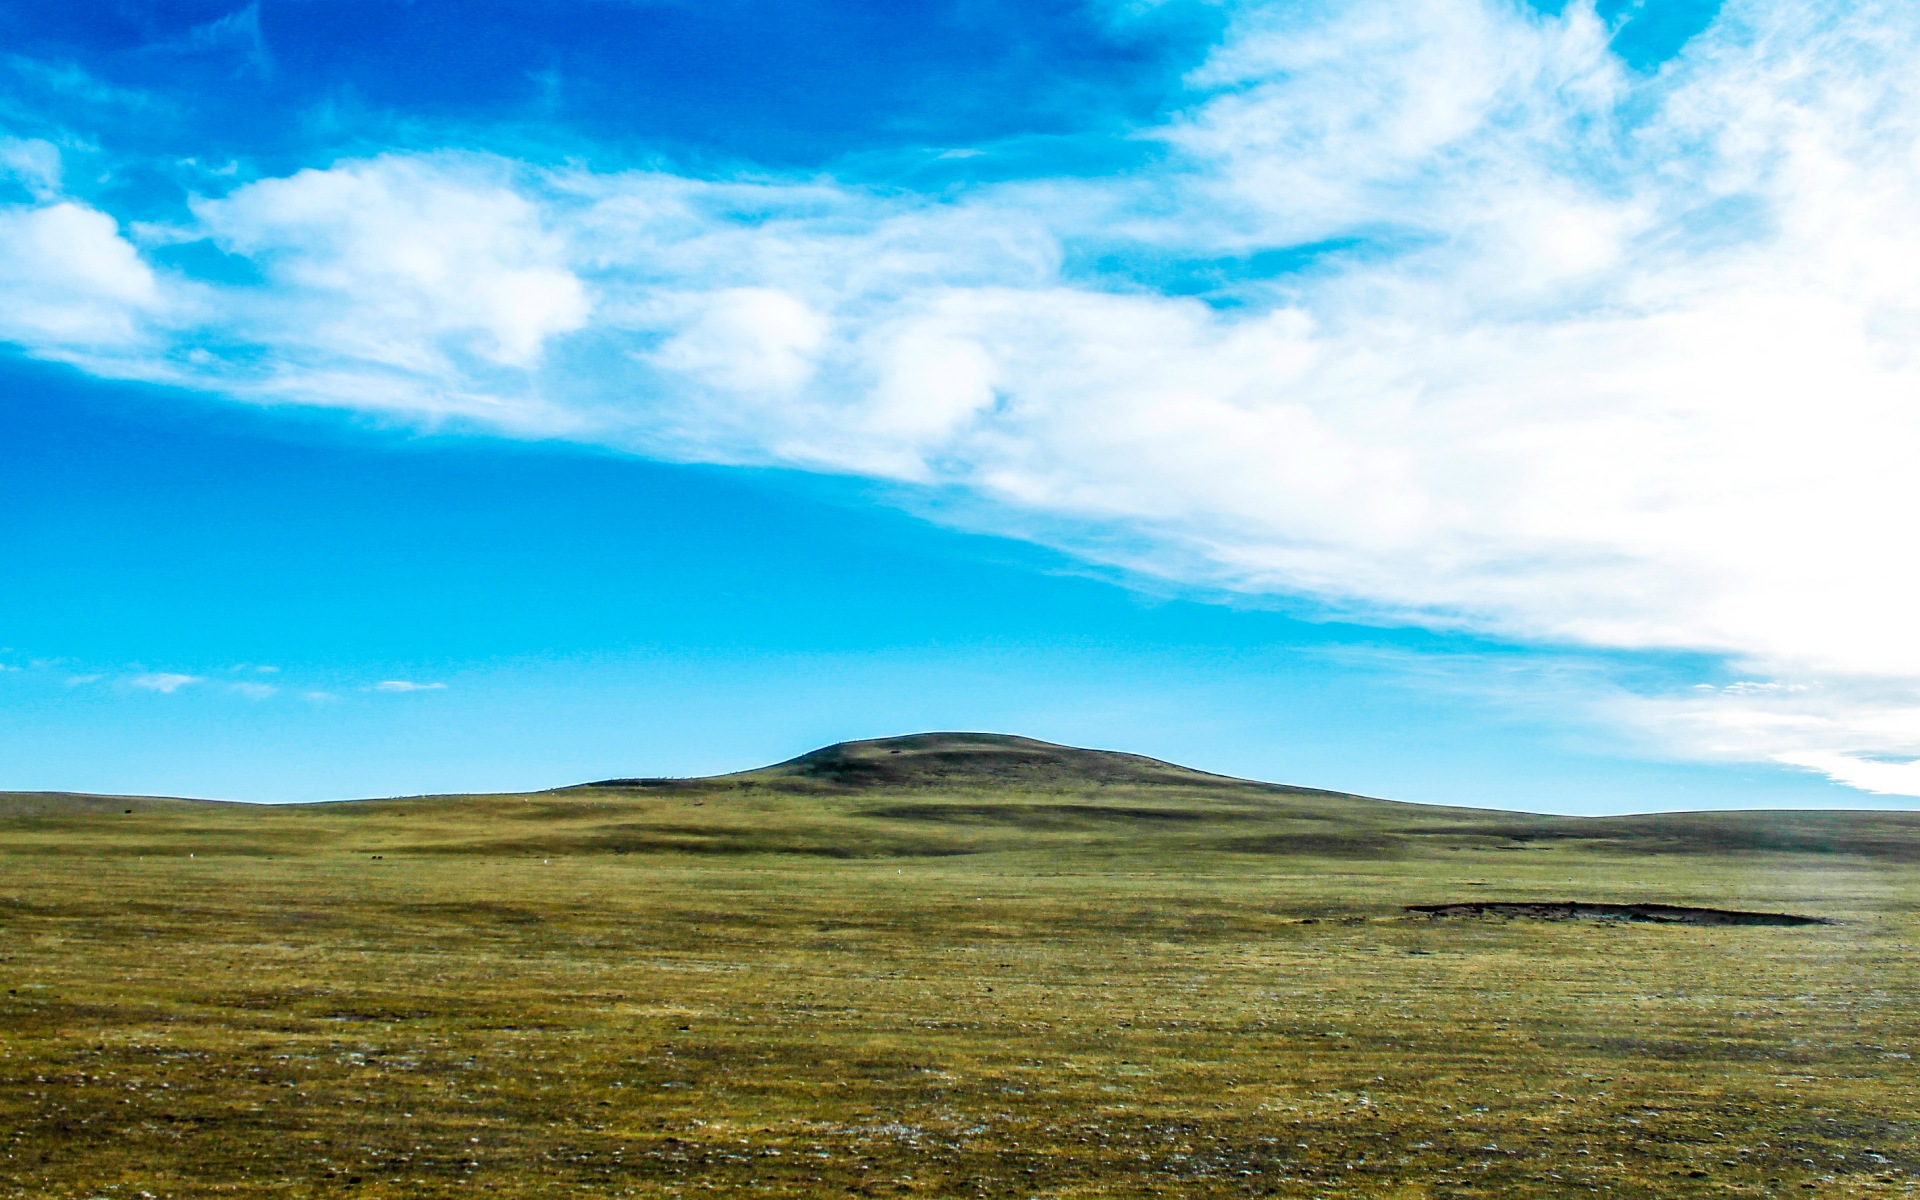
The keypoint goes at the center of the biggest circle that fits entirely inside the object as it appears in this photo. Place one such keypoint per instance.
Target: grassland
(968, 968)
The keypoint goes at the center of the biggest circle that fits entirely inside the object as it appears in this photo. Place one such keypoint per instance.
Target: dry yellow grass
(1014, 979)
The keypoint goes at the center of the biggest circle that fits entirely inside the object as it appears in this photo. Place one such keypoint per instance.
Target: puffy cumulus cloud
(392, 257)
(1501, 334)
(747, 340)
(418, 285)
(70, 280)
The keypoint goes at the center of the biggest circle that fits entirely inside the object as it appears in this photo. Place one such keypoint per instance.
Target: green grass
(970, 969)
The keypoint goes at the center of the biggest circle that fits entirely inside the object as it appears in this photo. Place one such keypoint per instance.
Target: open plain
(949, 965)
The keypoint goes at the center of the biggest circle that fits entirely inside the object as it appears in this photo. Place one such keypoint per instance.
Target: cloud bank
(1434, 312)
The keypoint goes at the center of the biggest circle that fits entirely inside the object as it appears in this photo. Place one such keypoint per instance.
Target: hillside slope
(926, 796)
(992, 760)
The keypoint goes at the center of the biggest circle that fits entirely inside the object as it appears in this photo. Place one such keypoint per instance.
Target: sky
(1459, 401)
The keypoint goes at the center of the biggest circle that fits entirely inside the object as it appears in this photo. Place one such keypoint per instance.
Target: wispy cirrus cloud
(163, 682)
(251, 682)
(1492, 331)
(235, 35)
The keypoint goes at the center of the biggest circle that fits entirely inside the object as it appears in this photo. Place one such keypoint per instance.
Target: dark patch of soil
(1575, 910)
(1034, 815)
(1892, 836)
(1326, 845)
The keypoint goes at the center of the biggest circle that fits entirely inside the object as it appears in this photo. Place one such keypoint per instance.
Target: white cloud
(399, 256)
(254, 691)
(163, 682)
(237, 33)
(1572, 354)
(69, 279)
(34, 163)
(747, 340)
(1859, 732)
(1885, 778)
(407, 284)
(407, 685)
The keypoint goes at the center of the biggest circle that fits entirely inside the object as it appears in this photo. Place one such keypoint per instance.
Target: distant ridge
(968, 760)
(941, 794)
(35, 804)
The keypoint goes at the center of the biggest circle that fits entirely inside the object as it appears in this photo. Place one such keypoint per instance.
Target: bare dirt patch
(1576, 910)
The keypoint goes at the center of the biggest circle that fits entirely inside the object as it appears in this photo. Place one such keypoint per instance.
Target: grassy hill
(927, 795)
(944, 965)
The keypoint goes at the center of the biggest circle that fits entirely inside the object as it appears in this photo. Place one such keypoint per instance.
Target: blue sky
(1461, 402)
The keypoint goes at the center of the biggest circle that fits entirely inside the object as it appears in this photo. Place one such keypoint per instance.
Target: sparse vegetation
(970, 968)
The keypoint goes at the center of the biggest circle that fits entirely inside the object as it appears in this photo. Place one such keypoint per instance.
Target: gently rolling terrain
(950, 965)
